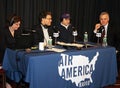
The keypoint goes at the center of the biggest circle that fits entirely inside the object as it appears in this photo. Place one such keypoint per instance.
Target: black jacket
(39, 35)
(113, 36)
(65, 35)
(7, 40)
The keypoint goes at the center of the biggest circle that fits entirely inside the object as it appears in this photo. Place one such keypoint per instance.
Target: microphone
(102, 27)
(27, 30)
(74, 33)
(73, 28)
(99, 34)
(56, 30)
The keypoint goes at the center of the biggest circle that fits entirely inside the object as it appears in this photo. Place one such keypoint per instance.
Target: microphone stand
(98, 35)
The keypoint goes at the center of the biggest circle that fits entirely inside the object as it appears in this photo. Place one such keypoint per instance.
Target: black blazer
(112, 36)
(39, 35)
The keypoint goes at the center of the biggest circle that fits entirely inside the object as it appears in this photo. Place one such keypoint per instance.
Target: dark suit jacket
(39, 35)
(112, 37)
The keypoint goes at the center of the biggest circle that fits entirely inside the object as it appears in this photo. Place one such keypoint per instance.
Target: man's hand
(97, 26)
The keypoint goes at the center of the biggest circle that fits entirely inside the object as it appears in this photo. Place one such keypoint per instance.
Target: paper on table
(56, 50)
(70, 44)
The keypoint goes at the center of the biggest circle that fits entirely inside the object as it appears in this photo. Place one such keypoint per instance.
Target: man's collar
(106, 26)
(64, 25)
(44, 26)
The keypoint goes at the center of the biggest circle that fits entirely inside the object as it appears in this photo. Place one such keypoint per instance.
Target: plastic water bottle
(50, 43)
(85, 37)
(104, 42)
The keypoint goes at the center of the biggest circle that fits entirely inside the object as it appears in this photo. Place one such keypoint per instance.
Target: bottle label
(85, 37)
(50, 43)
(104, 41)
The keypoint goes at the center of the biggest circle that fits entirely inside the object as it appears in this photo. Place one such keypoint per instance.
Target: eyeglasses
(48, 18)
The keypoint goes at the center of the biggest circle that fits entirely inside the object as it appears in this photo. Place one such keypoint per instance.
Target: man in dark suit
(106, 29)
(111, 32)
(43, 31)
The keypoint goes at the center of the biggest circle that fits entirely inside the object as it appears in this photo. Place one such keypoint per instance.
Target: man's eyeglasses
(49, 18)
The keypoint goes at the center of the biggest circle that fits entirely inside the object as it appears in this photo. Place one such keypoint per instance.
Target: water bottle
(50, 43)
(85, 37)
(104, 41)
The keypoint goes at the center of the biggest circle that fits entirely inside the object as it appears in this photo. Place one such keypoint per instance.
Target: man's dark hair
(64, 15)
(43, 14)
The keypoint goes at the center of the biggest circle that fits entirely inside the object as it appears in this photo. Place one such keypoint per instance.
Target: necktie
(102, 34)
